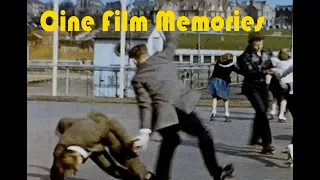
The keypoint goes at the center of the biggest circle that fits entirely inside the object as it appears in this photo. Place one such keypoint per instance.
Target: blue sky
(271, 2)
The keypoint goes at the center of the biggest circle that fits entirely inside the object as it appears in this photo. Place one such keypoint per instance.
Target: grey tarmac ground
(230, 139)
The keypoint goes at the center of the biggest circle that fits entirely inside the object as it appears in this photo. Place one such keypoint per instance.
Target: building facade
(35, 8)
(259, 8)
(107, 53)
(223, 8)
(284, 15)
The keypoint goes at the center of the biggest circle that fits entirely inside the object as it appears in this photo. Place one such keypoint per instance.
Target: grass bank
(189, 41)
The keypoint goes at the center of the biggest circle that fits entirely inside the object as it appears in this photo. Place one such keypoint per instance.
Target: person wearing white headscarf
(280, 86)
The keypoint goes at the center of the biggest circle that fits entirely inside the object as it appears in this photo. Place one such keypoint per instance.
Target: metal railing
(94, 81)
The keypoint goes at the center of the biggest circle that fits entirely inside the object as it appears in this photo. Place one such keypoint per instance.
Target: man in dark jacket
(254, 65)
(167, 106)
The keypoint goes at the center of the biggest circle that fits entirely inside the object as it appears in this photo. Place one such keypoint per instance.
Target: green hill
(230, 41)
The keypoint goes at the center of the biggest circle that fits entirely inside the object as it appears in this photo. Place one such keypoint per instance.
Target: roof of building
(112, 34)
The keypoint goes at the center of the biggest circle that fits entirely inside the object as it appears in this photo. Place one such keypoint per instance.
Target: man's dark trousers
(258, 95)
(192, 125)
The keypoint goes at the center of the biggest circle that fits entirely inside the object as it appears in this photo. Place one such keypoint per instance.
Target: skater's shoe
(212, 118)
(268, 150)
(282, 119)
(227, 119)
(289, 162)
(226, 172)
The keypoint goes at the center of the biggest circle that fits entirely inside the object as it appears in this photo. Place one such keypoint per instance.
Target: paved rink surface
(230, 139)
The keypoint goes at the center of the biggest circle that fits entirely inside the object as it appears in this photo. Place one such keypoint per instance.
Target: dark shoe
(282, 121)
(226, 172)
(227, 119)
(212, 117)
(268, 150)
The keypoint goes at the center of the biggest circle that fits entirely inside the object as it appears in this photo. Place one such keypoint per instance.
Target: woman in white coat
(280, 87)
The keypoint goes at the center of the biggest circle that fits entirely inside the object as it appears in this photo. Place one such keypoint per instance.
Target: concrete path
(230, 139)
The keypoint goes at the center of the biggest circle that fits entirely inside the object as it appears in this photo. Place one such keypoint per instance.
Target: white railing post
(122, 50)
(55, 52)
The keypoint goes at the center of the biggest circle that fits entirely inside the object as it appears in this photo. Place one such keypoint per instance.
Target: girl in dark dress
(219, 83)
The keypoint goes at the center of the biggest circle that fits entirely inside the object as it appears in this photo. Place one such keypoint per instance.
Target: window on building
(186, 58)
(196, 59)
(117, 49)
(176, 58)
(216, 57)
(207, 59)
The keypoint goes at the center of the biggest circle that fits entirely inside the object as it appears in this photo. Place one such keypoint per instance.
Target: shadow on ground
(233, 112)
(232, 118)
(246, 152)
(283, 137)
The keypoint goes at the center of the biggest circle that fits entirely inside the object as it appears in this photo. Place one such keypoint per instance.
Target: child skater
(219, 84)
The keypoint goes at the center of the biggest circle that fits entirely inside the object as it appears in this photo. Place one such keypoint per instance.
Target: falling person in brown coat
(83, 138)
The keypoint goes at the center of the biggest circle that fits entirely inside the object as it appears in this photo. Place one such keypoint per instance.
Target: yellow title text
(165, 21)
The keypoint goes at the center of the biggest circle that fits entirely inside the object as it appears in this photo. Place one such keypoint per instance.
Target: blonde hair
(68, 163)
(284, 54)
